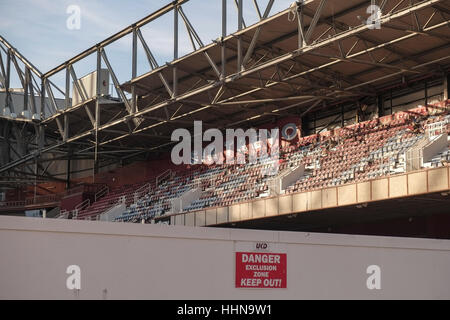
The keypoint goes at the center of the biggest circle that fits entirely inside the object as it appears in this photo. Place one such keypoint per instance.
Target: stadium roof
(312, 54)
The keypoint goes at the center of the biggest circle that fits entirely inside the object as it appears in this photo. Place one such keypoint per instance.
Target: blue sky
(37, 28)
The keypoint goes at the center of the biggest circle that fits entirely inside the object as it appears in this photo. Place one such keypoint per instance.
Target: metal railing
(63, 214)
(437, 128)
(83, 205)
(32, 201)
(163, 176)
(139, 193)
(53, 198)
(101, 193)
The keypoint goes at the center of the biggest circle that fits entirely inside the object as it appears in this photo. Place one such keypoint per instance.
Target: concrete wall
(436, 146)
(183, 201)
(113, 213)
(291, 177)
(120, 260)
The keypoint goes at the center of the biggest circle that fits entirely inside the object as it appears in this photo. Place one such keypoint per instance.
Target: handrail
(162, 176)
(36, 200)
(145, 186)
(83, 205)
(101, 193)
(139, 193)
(63, 214)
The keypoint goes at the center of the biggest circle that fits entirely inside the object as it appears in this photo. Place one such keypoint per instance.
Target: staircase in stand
(106, 199)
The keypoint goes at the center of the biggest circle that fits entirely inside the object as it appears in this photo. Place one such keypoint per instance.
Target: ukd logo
(261, 246)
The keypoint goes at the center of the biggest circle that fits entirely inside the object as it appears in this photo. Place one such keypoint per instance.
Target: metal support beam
(257, 101)
(51, 96)
(239, 38)
(3, 72)
(175, 52)
(100, 52)
(42, 107)
(446, 85)
(380, 105)
(20, 57)
(281, 58)
(133, 73)
(222, 43)
(29, 79)
(26, 82)
(252, 45)
(151, 59)
(8, 101)
(66, 127)
(314, 21)
(55, 107)
(300, 26)
(115, 80)
(158, 13)
(80, 89)
(18, 70)
(193, 33)
(236, 2)
(153, 63)
(69, 156)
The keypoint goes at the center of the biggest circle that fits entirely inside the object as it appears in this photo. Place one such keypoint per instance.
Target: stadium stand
(123, 193)
(355, 153)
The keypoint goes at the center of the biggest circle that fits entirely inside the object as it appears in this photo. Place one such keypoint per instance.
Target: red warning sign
(260, 270)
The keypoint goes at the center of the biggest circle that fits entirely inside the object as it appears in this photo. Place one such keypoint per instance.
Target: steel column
(224, 34)
(97, 112)
(175, 52)
(239, 39)
(134, 72)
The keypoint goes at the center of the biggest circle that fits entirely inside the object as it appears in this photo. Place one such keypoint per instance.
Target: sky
(39, 30)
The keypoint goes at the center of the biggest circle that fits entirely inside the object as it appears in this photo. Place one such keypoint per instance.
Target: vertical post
(67, 103)
(175, 51)
(305, 126)
(446, 85)
(134, 72)
(315, 123)
(66, 127)
(67, 92)
(301, 35)
(97, 112)
(7, 80)
(239, 44)
(36, 171)
(42, 98)
(391, 101)
(41, 137)
(69, 156)
(26, 86)
(224, 34)
(380, 102)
